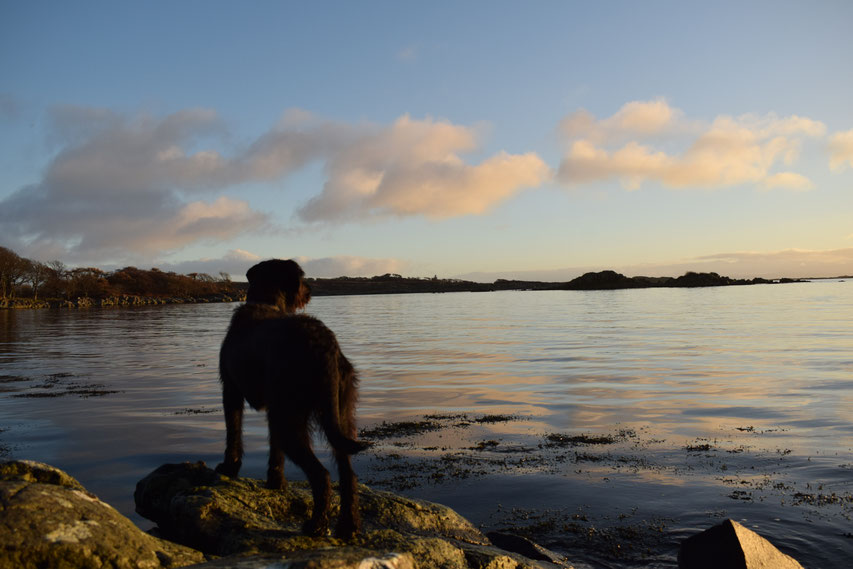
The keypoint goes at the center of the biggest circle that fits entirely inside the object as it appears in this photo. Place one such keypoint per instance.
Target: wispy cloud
(794, 263)
(786, 263)
(407, 54)
(636, 118)
(236, 262)
(729, 151)
(10, 107)
(330, 267)
(841, 150)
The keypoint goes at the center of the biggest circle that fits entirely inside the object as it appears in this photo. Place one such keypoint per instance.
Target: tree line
(25, 278)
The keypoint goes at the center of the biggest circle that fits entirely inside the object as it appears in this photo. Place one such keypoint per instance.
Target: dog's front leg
(232, 402)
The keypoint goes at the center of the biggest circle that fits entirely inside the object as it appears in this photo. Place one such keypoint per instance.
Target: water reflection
(683, 364)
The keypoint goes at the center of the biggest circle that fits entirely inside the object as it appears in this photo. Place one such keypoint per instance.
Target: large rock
(732, 546)
(47, 519)
(195, 506)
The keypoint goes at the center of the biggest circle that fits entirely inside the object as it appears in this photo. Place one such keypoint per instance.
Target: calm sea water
(719, 402)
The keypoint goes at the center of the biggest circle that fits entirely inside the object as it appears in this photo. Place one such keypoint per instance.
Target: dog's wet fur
(290, 365)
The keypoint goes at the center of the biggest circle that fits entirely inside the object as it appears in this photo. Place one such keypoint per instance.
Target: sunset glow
(430, 139)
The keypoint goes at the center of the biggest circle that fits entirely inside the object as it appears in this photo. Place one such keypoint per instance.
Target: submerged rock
(47, 519)
(195, 506)
(732, 546)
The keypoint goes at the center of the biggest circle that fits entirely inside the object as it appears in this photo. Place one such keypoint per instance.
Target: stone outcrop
(732, 546)
(47, 519)
(18, 303)
(195, 506)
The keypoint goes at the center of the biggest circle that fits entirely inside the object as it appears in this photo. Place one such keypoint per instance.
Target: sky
(479, 140)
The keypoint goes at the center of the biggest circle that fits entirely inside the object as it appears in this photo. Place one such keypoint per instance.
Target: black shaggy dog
(290, 365)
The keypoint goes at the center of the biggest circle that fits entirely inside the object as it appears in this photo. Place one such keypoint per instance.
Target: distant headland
(603, 280)
(30, 284)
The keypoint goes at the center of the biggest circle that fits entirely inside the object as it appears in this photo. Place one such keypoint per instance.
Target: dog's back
(292, 363)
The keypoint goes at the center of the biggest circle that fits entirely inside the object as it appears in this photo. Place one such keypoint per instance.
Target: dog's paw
(347, 529)
(276, 480)
(230, 469)
(316, 528)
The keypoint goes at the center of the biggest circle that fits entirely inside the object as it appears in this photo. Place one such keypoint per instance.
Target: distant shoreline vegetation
(603, 280)
(31, 284)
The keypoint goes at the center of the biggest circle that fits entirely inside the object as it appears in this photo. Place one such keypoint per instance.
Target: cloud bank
(118, 185)
(237, 261)
(121, 185)
(841, 150)
(792, 263)
(727, 152)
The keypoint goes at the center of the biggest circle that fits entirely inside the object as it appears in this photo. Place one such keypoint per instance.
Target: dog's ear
(277, 282)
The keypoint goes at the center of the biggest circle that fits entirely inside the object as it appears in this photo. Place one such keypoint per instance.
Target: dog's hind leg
(294, 437)
(275, 471)
(232, 402)
(349, 521)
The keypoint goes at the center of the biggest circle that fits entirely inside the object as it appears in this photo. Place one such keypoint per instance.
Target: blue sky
(477, 139)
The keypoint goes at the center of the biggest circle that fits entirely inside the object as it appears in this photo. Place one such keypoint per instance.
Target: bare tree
(36, 274)
(57, 280)
(12, 269)
(88, 282)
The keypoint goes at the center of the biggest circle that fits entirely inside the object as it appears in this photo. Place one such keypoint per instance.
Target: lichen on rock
(47, 519)
(221, 516)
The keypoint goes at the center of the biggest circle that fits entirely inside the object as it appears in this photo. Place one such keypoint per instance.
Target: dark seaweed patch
(57, 385)
(201, 411)
(13, 378)
(704, 447)
(562, 440)
(496, 419)
(399, 429)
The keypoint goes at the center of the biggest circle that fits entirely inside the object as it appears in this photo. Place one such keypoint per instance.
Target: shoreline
(396, 284)
(572, 537)
(112, 301)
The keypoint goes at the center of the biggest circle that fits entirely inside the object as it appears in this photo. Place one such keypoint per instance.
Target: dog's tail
(341, 404)
(344, 444)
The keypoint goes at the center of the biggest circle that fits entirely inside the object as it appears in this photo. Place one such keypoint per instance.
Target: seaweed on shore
(429, 423)
(58, 385)
(387, 430)
(442, 450)
(197, 411)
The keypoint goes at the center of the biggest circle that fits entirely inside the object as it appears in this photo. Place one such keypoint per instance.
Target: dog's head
(279, 283)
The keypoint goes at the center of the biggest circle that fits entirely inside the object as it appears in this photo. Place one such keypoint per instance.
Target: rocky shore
(123, 300)
(205, 520)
